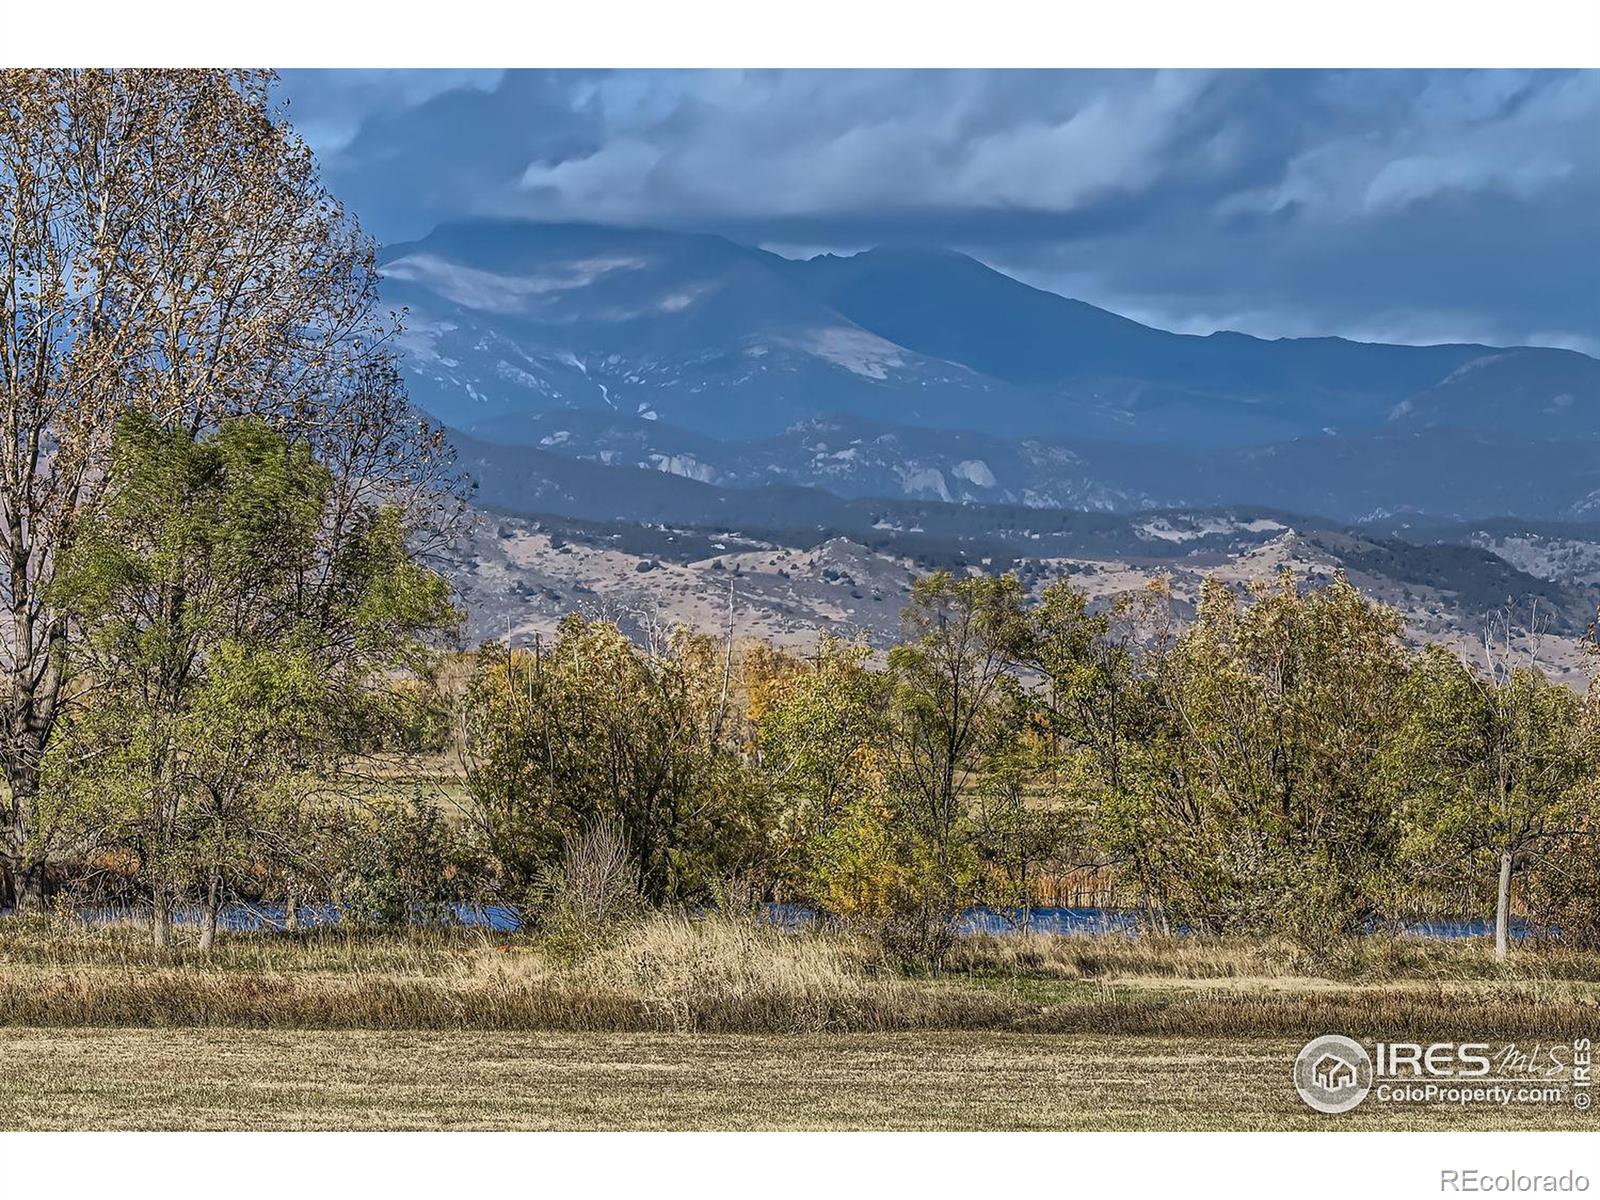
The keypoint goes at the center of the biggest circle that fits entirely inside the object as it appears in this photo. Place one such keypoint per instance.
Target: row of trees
(1283, 764)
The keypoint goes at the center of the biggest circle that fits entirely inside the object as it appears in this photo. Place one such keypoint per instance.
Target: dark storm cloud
(1404, 205)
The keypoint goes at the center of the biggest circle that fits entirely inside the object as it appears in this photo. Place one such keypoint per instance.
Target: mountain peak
(512, 317)
(907, 252)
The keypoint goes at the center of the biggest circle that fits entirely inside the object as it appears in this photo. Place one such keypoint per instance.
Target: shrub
(398, 861)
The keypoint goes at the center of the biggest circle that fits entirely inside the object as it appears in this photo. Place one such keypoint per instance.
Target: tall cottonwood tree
(1257, 788)
(214, 684)
(1491, 767)
(166, 245)
(953, 689)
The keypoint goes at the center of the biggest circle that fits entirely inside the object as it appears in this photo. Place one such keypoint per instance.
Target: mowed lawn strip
(365, 1079)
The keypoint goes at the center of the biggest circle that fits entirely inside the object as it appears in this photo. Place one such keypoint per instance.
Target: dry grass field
(718, 1024)
(370, 1079)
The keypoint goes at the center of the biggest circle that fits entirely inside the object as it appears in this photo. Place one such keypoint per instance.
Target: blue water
(505, 919)
(252, 918)
(992, 920)
(1464, 929)
(1050, 920)
(1101, 921)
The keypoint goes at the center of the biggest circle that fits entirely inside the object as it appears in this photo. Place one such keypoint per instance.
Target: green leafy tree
(1259, 793)
(216, 676)
(1491, 767)
(593, 727)
(820, 739)
(953, 684)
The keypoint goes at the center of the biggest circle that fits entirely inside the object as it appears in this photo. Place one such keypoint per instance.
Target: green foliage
(232, 624)
(593, 727)
(869, 770)
(397, 861)
(1019, 831)
(1563, 885)
(953, 696)
(1487, 766)
(820, 739)
(1255, 798)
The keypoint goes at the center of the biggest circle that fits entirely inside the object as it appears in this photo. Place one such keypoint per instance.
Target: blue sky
(1403, 206)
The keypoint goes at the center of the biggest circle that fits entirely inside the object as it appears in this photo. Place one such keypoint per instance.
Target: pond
(1100, 921)
(505, 919)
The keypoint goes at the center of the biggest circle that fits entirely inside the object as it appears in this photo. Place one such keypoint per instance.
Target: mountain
(1110, 376)
(719, 375)
(656, 422)
(517, 574)
(1536, 393)
(508, 320)
(1359, 477)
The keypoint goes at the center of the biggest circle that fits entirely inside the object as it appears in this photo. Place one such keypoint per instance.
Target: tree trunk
(30, 888)
(27, 872)
(208, 930)
(27, 884)
(1502, 910)
(29, 716)
(160, 915)
(1025, 903)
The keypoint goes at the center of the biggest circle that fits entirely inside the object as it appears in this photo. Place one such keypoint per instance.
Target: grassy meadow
(424, 1080)
(671, 1023)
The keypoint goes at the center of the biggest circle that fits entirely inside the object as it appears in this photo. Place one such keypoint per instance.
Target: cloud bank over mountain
(1396, 206)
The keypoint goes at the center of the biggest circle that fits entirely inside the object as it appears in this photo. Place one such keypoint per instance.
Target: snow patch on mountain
(974, 471)
(489, 291)
(1194, 528)
(856, 350)
(923, 481)
(685, 465)
(515, 374)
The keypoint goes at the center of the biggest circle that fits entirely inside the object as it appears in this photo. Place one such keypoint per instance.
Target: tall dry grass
(663, 974)
(1378, 958)
(1518, 1012)
(676, 974)
(68, 943)
(726, 976)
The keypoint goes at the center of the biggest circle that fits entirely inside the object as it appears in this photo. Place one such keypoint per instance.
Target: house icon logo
(1333, 1074)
